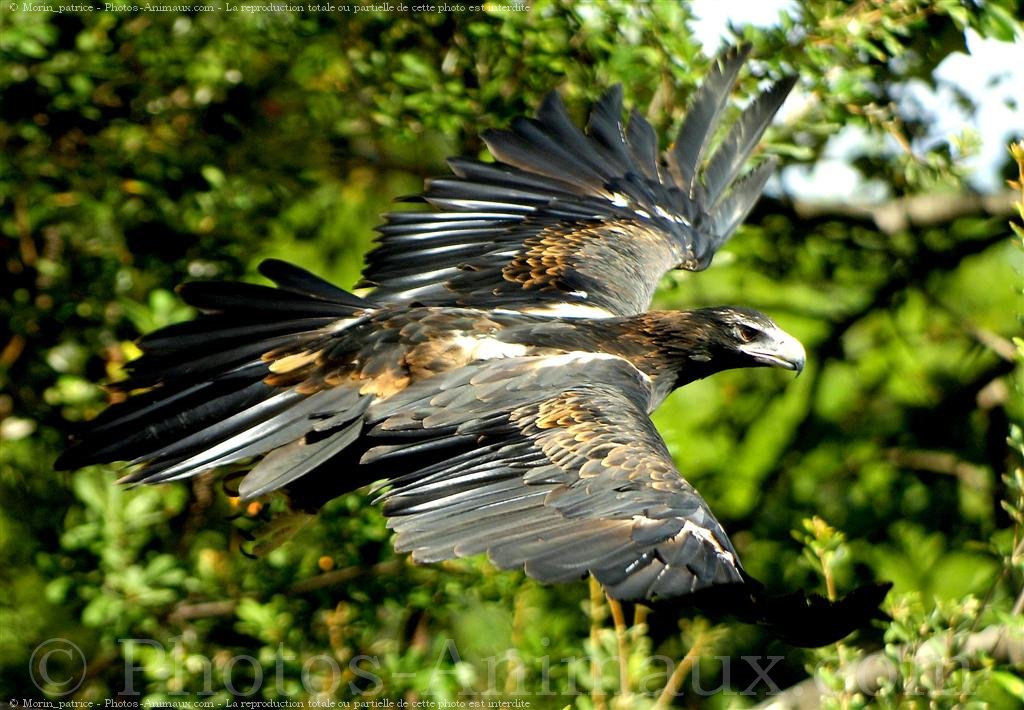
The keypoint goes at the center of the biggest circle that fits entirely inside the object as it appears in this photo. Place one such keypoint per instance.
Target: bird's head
(752, 339)
(709, 340)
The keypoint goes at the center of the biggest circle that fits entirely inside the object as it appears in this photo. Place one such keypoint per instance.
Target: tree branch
(343, 575)
(917, 211)
(183, 612)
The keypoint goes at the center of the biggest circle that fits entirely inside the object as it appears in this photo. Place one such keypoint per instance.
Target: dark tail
(198, 399)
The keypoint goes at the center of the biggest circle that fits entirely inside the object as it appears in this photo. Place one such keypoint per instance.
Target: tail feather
(224, 441)
(277, 421)
(297, 280)
(157, 369)
(204, 393)
(127, 431)
(222, 331)
(287, 463)
(253, 299)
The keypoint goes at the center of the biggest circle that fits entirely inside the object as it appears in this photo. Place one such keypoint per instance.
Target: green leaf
(1012, 683)
(213, 175)
(998, 23)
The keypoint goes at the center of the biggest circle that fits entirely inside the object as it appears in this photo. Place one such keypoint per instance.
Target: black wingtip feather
(741, 198)
(643, 143)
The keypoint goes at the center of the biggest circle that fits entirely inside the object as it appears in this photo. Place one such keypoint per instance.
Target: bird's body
(500, 376)
(457, 406)
(391, 348)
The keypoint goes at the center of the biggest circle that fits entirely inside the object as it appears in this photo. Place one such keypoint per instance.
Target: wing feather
(734, 152)
(742, 197)
(567, 217)
(605, 129)
(294, 460)
(643, 145)
(566, 476)
(702, 117)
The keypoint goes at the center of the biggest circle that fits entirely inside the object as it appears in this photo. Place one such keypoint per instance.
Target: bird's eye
(746, 333)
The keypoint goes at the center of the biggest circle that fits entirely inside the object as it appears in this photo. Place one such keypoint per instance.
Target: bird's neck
(673, 348)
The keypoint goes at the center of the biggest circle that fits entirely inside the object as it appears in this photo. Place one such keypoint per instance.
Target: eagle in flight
(501, 373)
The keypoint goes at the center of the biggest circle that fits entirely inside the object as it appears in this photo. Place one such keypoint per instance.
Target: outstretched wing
(549, 464)
(567, 219)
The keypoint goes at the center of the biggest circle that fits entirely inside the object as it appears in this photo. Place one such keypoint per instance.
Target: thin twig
(1002, 347)
(345, 574)
(917, 211)
(940, 462)
(202, 610)
(681, 670)
(597, 694)
(622, 643)
(1015, 554)
(640, 613)
(1018, 606)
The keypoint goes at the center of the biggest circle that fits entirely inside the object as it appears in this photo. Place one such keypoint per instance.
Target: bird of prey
(501, 373)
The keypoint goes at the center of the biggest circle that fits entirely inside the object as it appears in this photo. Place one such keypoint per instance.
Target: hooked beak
(777, 349)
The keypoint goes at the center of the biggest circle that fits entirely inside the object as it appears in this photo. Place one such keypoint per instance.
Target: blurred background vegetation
(141, 149)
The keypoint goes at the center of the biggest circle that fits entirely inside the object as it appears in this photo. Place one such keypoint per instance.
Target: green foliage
(141, 149)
